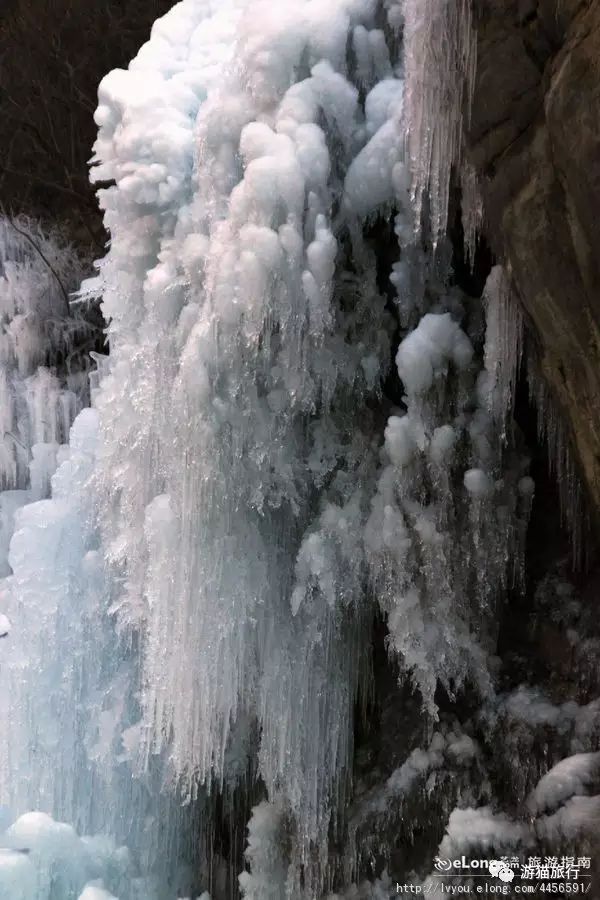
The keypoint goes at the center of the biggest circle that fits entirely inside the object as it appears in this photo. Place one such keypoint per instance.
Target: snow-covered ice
(189, 607)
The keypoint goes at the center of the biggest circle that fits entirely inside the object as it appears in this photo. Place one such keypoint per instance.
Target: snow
(417, 520)
(95, 892)
(425, 355)
(399, 441)
(579, 817)
(478, 483)
(530, 705)
(443, 442)
(478, 831)
(375, 176)
(446, 750)
(570, 776)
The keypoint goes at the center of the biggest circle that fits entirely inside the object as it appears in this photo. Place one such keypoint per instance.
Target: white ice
(194, 600)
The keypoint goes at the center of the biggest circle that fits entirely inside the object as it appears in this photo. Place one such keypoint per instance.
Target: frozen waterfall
(301, 426)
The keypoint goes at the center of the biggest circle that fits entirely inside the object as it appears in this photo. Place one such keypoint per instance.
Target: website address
(498, 890)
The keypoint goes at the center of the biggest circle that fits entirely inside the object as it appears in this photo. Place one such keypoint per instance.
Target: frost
(419, 518)
(446, 750)
(473, 831)
(579, 816)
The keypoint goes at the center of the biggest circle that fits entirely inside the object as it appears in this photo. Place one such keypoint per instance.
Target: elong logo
(496, 867)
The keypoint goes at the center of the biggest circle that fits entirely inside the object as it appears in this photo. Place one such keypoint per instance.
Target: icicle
(35, 405)
(440, 53)
(232, 511)
(471, 209)
(552, 432)
(266, 855)
(441, 601)
(503, 345)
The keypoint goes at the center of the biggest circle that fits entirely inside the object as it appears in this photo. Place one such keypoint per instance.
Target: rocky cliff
(534, 139)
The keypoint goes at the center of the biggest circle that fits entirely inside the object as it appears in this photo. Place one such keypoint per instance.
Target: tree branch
(38, 250)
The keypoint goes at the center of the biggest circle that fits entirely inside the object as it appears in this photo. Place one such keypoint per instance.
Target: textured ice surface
(504, 344)
(41, 859)
(446, 514)
(440, 60)
(245, 356)
(192, 607)
(571, 776)
(37, 407)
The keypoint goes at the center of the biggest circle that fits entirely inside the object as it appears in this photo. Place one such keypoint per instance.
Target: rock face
(534, 139)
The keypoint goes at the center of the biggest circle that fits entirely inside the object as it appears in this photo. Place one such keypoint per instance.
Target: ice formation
(440, 63)
(553, 432)
(42, 388)
(43, 858)
(445, 516)
(191, 608)
(571, 776)
(504, 343)
(252, 344)
(39, 331)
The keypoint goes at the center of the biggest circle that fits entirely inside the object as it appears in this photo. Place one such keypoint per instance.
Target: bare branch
(39, 251)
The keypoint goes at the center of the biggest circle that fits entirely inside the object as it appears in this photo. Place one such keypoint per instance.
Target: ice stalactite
(234, 431)
(39, 330)
(242, 499)
(448, 512)
(267, 855)
(43, 385)
(553, 432)
(504, 345)
(472, 211)
(440, 56)
(248, 391)
(42, 388)
(247, 359)
(504, 354)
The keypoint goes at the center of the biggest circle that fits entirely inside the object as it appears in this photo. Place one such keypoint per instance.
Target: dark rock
(534, 138)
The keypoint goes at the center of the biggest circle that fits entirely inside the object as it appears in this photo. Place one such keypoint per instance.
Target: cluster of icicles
(192, 607)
